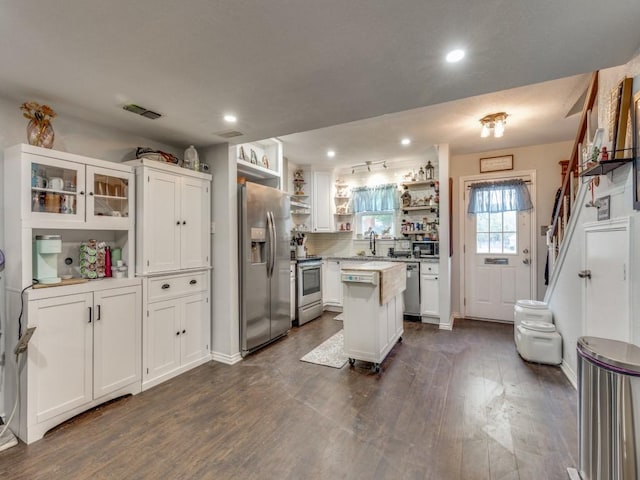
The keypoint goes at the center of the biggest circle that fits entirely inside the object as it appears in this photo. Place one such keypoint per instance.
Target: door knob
(526, 261)
(584, 274)
(525, 251)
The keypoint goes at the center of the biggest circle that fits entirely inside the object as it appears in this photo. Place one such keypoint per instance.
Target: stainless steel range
(309, 289)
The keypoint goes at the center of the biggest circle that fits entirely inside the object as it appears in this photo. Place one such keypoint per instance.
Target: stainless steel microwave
(426, 249)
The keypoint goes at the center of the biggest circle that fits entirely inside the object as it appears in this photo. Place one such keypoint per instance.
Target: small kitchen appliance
(426, 249)
(45, 258)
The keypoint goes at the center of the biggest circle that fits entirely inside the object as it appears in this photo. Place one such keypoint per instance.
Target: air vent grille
(145, 112)
(229, 134)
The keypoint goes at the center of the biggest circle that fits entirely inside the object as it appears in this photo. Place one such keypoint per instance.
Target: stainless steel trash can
(608, 400)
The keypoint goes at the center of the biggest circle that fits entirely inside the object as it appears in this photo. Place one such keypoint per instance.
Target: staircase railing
(564, 207)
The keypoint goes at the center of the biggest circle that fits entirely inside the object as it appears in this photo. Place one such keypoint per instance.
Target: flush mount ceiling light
(405, 141)
(494, 122)
(368, 164)
(331, 153)
(230, 118)
(455, 56)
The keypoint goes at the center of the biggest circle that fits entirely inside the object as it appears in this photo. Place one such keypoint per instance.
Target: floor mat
(329, 353)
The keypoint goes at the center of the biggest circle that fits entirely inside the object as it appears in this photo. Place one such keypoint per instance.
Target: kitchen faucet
(372, 241)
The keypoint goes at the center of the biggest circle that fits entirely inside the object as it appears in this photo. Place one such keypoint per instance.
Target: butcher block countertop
(393, 277)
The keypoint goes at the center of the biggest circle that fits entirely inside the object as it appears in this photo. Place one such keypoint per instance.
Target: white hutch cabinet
(173, 258)
(86, 346)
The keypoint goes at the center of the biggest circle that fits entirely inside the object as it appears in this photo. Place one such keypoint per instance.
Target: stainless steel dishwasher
(412, 293)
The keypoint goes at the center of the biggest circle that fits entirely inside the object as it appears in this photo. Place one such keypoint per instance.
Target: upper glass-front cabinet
(64, 191)
(108, 194)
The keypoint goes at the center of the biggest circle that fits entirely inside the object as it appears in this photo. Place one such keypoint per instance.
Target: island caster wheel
(399, 339)
(376, 367)
(352, 361)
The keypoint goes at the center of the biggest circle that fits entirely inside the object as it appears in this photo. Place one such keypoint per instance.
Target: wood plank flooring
(447, 405)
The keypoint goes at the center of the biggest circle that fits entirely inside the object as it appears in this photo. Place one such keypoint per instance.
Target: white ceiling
(287, 66)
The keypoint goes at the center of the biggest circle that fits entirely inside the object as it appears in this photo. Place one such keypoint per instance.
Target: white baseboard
(570, 374)
(226, 358)
(332, 308)
(448, 325)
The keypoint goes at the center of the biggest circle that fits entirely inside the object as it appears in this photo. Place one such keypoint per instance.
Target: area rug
(329, 353)
(338, 317)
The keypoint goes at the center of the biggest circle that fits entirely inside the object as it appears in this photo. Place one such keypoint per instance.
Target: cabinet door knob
(178, 333)
(82, 192)
(184, 331)
(184, 222)
(165, 286)
(91, 194)
(178, 222)
(193, 282)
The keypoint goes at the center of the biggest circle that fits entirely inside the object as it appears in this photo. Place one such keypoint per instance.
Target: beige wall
(541, 158)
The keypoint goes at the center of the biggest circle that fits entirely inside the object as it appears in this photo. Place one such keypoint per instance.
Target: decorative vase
(40, 134)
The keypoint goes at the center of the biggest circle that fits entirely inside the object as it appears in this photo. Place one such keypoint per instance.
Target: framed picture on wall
(496, 164)
(636, 151)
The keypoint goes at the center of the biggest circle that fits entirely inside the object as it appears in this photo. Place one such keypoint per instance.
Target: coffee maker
(45, 258)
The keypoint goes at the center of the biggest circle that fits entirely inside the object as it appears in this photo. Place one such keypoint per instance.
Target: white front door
(498, 262)
(606, 280)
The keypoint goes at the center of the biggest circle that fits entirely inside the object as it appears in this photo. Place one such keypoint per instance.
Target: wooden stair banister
(560, 212)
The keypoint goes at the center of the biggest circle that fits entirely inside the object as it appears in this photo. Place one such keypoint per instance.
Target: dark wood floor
(447, 405)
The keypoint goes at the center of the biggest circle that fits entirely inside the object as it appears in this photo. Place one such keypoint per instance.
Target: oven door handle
(304, 269)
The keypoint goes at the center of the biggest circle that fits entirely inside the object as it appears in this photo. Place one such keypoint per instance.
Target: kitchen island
(372, 310)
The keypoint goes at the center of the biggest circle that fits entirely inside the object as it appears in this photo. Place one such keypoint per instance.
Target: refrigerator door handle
(270, 253)
(274, 242)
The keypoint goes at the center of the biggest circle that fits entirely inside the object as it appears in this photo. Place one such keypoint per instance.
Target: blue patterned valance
(379, 198)
(502, 196)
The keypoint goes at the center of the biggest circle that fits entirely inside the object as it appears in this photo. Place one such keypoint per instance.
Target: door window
(497, 233)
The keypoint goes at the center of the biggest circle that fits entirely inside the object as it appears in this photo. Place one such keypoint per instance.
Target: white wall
(71, 135)
(225, 308)
(541, 158)
(565, 292)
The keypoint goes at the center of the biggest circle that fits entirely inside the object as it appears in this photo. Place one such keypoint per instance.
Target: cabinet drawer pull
(90, 314)
(165, 286)
(178, 222)
(193, 282)
(99, 313)
(82, 192)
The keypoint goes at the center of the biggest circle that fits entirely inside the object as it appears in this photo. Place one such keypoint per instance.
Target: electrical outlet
(543, 230)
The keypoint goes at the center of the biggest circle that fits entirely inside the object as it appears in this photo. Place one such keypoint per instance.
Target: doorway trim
(462, 228)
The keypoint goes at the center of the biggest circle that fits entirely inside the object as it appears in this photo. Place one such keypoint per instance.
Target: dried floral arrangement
(41, 114)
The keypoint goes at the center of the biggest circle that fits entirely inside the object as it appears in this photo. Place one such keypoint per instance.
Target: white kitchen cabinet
(332, 288)
(85, 350)
(429, 292)
(322, 197)
(86, 347)
(177, 325)
(292, 290)
(173, 212)
(63, 190)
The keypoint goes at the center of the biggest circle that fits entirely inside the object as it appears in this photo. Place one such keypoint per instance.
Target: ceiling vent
(133, 108)
(229, 134)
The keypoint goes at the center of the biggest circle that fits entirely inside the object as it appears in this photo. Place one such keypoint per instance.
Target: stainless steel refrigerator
(263, 233)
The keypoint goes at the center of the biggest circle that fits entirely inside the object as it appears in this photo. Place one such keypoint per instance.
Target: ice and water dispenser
(258, 244)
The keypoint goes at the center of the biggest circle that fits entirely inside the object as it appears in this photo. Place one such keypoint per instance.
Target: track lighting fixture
(368, 164)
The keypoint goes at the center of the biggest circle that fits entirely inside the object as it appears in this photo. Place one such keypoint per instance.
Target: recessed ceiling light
(331, 153)
(405, 141)
(229, 118)
(455, 56)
